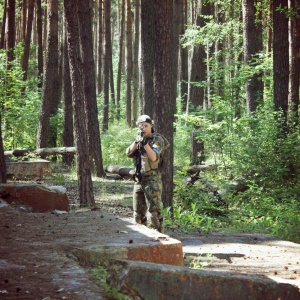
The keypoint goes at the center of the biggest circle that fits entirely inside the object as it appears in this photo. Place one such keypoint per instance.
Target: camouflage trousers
(147, 198)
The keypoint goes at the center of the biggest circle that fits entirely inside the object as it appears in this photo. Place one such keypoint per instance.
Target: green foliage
(181, 140)
(252, 148)
(195, 208)
(114, 143)
(99, 274)
(198, 261)
(211, 32)
(270, 211)
(19, 106)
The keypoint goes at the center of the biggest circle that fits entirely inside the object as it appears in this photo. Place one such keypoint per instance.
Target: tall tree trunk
(39, 27)
(164, 85)
(84, 173)
(10, 35)
(100, 45)
(10, 38)
(3, 177)
(135, 63)
(128, 62)
(252, 38)
(2, 41)
(218, 47)
(198, 67)
(177, 19)
(269, 30)
(86, 41)
(120, 62)
(67, 134)
(50, 92)
(198, 74)
(147, 57)
(294, 61)
(106, 63)
(45, 26)
(111, 74)
(27, 39)
(183, 58)
(280, 57)
(24, 18)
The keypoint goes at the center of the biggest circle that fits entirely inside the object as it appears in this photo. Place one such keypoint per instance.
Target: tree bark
(39, 25)
(183, 54)
(27, 39)
(67, 134)
(50, 91)
(120, 62)
(135, 63)
(10, 35)
(294, 62)
(3, 27)
(84, 174)
(128, 62)
(252, 33)
(198, 74)
(147, 59)
(24, 18)
(164, 85)
(89, 79)
(106, 63)
(198, 67)
(218, 47)
(3, 177)
(280, 58)
(100, 45)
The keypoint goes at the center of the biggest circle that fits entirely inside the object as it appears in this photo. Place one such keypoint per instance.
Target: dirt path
(35, 261)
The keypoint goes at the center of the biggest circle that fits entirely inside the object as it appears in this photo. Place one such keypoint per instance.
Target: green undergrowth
(99, 275)
(256, 210)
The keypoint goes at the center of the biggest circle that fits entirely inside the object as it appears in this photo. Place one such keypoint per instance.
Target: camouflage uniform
(147, 193)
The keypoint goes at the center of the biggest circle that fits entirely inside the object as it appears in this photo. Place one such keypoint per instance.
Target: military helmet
(144, 118)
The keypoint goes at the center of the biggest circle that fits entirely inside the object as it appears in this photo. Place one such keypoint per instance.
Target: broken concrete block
(138, 242)
(166, 282)
(33, 169)
(40, 197)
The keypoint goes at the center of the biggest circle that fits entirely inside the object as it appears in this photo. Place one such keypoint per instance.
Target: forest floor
(35, 259)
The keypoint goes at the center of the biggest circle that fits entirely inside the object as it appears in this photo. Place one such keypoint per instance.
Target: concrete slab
(165, 282)
(40, 198)
(144, 244)
(31, 169)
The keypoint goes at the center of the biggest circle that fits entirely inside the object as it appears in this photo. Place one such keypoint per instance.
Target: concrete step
(165, 282)
(144, 245)
(150, 266)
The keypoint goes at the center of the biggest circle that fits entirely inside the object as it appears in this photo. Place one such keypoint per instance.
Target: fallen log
(129, 172)
(199, 168)
(120, 170)
(41, 151)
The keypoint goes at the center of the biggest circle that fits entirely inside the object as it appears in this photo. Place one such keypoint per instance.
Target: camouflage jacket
(159, 144)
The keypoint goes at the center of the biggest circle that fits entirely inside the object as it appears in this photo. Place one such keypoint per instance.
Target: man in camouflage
(148, 186)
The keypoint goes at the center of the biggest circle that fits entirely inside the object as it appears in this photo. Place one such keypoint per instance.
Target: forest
(219, 78)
